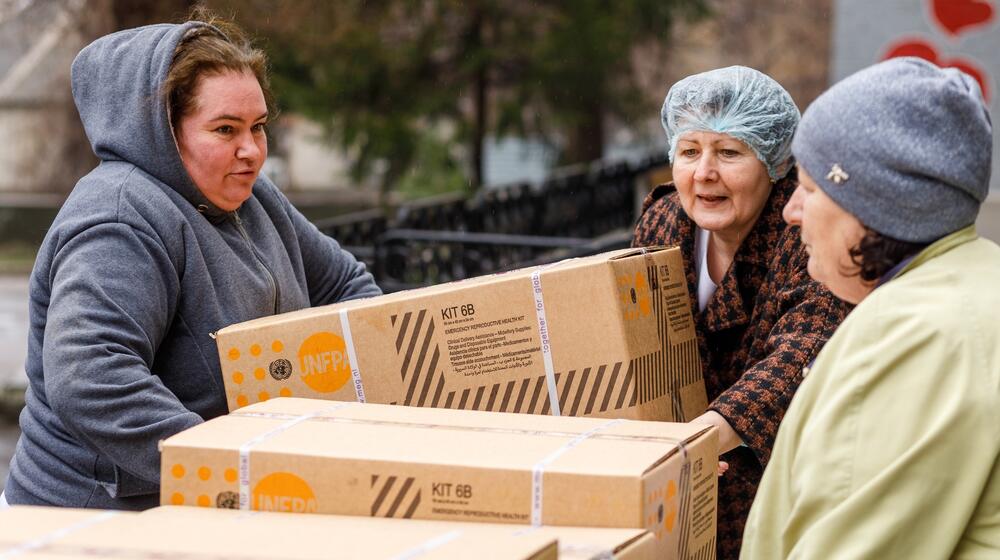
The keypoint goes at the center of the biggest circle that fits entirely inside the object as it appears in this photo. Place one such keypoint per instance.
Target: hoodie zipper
(260, 261)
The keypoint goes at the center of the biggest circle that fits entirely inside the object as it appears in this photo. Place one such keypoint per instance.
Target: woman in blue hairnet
(760, 317)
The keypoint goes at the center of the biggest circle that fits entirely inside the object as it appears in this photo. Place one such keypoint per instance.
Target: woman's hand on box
(728, 438)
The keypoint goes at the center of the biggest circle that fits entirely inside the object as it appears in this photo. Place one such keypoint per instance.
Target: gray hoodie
(136, 271)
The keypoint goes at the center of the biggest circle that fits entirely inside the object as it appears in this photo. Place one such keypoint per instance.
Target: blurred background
(440, 139)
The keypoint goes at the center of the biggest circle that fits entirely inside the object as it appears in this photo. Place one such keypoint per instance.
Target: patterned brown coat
(766, 321)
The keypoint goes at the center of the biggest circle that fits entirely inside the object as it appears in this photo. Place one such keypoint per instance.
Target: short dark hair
(876, 254)
(208, 51)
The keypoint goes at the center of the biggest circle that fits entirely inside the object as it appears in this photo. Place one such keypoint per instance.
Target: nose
(247, 148)
(792, 213)
(706, 171)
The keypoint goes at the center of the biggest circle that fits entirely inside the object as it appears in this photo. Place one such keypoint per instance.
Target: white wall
(865, 31)
(989, 217)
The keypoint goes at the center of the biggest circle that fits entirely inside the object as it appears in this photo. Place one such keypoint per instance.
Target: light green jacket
(890, 446)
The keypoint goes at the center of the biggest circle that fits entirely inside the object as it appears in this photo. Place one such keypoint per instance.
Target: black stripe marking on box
(418, 369)
(540, 382)
(438, 391)
(506, 396)
(685, 507)
(429, 377)
(595, 389)
(479, 397)
(382, 493)
(413, 343)
(611, 387)
(399, 496)
(579, 392)
(706, 552)
(520, 396)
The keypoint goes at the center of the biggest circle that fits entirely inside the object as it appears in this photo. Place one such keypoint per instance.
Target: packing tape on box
(428, 546)
(588, 551)
(685, 501)
(543, 333)
(484, 429)
(352, 356)
(538, 471)
(54, 536)
(244, 467)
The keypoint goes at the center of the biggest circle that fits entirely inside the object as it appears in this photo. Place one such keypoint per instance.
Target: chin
(712, 222)
(238, 198)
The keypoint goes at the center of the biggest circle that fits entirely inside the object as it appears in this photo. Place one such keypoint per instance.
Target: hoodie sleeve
(113, 292)
(332, 274)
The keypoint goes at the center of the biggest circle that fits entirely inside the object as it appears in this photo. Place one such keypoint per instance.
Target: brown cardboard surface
(314, 456)
(588, 543)
(618, 328)
(201, 534)
(24, 529)
(214, 534)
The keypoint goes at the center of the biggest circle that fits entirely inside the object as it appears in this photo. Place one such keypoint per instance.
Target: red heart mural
(956, 15)
(922, 49)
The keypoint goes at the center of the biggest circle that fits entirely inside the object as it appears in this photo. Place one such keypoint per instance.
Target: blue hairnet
(740, 102)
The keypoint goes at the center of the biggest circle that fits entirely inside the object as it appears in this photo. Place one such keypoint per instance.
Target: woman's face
(222, 141)
(829, 233)
(722, 185)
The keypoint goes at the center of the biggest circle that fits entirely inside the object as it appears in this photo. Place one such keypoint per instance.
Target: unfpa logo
(635, 295)
(325, 366)
(284, 492)
(661, 508)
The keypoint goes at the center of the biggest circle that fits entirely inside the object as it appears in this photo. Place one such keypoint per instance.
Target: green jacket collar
(940, 247)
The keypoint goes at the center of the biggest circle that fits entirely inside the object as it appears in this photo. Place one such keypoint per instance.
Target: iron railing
(578, 211)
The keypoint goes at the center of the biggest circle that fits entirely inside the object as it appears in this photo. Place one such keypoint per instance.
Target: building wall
(45, 149)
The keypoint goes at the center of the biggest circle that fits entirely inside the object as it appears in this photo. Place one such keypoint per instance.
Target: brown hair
(206, 51)
(876, 254)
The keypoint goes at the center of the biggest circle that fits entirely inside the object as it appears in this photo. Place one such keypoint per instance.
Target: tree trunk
(586, 142)
(480, 97)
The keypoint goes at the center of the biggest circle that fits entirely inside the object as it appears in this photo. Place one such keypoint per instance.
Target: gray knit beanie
(903, 145)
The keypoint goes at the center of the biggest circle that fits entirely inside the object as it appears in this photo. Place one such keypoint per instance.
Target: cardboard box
(211, 534)
(610, 335)
(312, 456)
(196, 534)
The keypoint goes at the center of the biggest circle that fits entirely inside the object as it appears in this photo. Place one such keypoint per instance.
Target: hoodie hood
(117, 83)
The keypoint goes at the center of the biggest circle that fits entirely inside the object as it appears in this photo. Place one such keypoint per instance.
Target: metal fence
(580, 210)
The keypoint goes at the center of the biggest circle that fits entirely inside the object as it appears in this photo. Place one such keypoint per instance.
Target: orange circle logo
(284, 492)
(635, 294)
(325, 367)
(670, 501)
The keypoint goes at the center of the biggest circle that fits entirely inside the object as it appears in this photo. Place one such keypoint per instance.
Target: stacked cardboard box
(609, 336)
(203, 534)
(312, 456)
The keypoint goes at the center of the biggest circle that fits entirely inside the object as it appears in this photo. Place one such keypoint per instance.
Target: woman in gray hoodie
(172, 237)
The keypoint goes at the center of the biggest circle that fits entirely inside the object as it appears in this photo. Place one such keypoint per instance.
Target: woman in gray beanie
(760, 318)
(890, 448)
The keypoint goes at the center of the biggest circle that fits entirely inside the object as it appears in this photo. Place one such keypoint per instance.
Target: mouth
(245, 174)
(712, 200)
